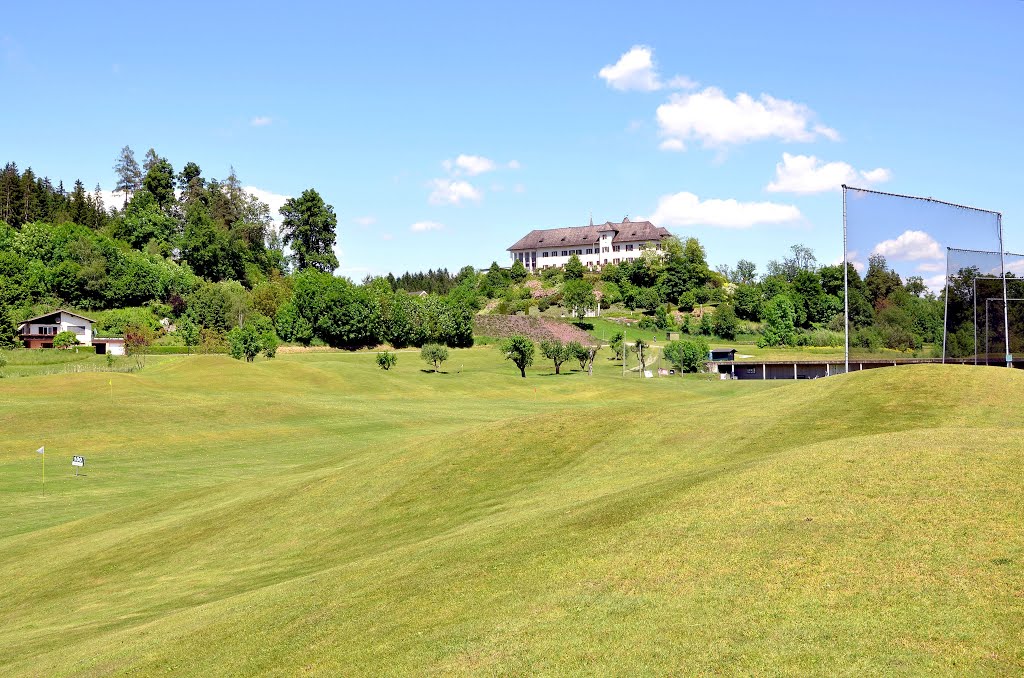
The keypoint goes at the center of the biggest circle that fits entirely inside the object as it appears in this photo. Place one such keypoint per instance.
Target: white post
(974, 300)
(945, 310)
(1006, 304)
(846, 291)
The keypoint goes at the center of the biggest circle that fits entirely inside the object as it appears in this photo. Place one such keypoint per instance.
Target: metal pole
(987, 361)
(974, 300)
(945, 310)
(846, 292)
(1006, 305)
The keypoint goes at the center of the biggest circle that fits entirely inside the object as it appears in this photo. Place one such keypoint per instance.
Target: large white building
(595, 245)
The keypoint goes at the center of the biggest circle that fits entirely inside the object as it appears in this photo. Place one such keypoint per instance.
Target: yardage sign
(77, 461)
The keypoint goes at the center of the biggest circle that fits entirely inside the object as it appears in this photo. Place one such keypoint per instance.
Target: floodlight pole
(974, 302)
(1006, 305)
(945, 310)
(846, 294)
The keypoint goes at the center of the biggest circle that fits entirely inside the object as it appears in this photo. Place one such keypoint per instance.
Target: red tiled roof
(581, 236)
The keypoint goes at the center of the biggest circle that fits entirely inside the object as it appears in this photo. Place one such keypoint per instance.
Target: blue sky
(730, 122)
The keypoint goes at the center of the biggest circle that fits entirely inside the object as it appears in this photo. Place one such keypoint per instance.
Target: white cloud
(635, 70)
(910, 246)
(471, 165)
(386, 236)
(261, 121)
(877, 176)
(513, 164)
(807, 174)
(424, 226)
(365, 221)
(713, 118)
(449, 192)
(274, 200)
(686, 209)
(931, 267)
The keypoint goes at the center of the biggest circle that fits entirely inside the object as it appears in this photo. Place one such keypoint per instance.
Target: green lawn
(312, 515)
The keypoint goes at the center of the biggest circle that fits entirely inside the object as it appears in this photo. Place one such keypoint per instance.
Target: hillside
(314, 515)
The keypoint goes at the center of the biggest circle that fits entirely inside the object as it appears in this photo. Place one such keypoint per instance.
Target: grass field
(312, 515)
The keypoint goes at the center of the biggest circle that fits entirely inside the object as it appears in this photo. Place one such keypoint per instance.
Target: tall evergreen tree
(79, 204)
(309, 226)
(160, 181)
(129, 174)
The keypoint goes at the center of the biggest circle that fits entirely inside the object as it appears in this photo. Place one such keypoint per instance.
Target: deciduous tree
(556, 352)
(578, 297)
(687, 355)
(520, 350)
(434, 354)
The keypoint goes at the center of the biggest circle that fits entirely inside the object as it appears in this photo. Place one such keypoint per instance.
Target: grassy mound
(314, 515)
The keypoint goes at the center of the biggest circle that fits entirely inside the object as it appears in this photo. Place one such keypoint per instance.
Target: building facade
(596, 244)
(39, 332)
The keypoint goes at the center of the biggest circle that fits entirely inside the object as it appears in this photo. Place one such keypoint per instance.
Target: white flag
(41, 450)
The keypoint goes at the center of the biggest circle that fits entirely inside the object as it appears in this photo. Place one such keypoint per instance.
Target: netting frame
(1008, 357)
(846, 265)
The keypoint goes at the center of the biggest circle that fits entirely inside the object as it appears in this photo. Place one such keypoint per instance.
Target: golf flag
(41, 450)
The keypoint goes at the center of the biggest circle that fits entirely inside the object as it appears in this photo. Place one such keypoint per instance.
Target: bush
(779, 322)
(65, 340)
(662, 319)
(724, 323)
(551, 275)
(617, 344)
(434, 354)
(212, 340)
(255, 336)
(706, 326)
(687, 355)
(386, 359)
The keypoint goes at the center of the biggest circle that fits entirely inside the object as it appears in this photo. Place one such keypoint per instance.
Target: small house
(39, 332)
(717, 354)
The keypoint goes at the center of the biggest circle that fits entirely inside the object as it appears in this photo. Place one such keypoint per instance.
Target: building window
(605, 249)
(590, 251)
(565, 253)
(629, 248)
(616, 248)
(543, 254)
(615, 261)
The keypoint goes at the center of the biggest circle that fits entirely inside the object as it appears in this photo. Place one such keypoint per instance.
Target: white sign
(77, 461)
